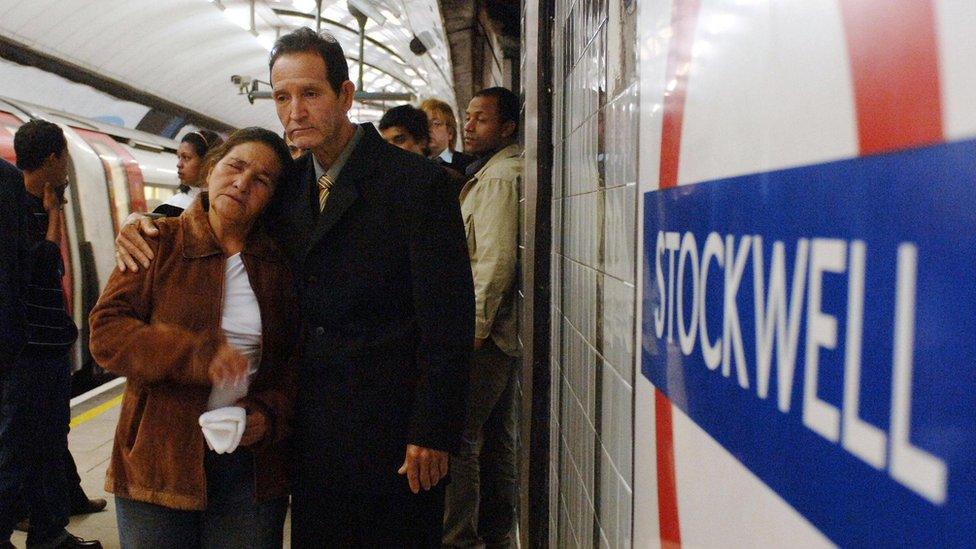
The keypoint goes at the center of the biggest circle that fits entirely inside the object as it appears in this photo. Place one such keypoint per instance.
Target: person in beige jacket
(480, 507)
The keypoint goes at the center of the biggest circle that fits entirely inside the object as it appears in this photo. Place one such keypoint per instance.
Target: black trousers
(76, 494)
(323, 517)
(33, 436)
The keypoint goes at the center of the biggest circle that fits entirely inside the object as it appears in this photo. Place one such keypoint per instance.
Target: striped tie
(325, 184)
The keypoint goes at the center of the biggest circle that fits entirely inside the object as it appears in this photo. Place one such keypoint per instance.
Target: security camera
(417, 46)
(242, 81)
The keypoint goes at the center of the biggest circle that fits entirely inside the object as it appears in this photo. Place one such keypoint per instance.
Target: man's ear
(50, 160)
(508, 129)
(346, 93)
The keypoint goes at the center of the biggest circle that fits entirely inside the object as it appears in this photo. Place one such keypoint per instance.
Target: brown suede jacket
(160, 327)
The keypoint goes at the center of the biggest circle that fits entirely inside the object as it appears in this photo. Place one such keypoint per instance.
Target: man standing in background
(480, 509)
(443, 135)
(34, 409)
(405, 127)
(12, 330)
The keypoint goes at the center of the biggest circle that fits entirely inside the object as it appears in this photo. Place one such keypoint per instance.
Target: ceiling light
(304, 5)
(239, 15)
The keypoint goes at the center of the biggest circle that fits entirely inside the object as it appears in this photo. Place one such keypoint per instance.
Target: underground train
(113, 172)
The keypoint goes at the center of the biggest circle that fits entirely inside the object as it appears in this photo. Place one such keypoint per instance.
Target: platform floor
(90, 442)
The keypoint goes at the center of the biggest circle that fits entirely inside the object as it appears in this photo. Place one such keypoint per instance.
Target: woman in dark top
(193, 148)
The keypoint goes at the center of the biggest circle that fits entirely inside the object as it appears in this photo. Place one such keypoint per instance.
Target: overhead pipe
(361, 19)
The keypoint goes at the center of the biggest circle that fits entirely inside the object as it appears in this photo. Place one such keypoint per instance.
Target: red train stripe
(894, 62)
(667, 493)
(684, 18)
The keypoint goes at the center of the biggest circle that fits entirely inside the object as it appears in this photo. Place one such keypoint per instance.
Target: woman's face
(187, 164)
(440, 134)
(242, 182)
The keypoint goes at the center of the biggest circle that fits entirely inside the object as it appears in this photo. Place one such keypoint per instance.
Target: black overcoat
(13, 265)
(387, 305)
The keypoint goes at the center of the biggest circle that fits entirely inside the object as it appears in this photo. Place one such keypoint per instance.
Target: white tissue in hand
(223, 428)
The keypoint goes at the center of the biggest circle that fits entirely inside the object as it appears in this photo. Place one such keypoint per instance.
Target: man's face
(55, 170)
(399, 137)
(484, 131)
(61, 167)
(310, 111)
(440, 134)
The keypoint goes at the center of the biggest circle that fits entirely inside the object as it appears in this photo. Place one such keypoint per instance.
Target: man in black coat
(12, 329)
(379, 253)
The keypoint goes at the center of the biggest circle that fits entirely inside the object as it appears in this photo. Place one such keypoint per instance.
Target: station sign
(820, 324)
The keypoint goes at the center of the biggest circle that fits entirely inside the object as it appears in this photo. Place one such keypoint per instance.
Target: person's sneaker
(87, 506)
(74, 542)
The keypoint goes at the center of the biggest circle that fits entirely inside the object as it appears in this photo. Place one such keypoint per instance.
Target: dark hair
(35, 141)
(202, 141)
(324, 44)
(507, 102)
(411, 119)
(252, 134)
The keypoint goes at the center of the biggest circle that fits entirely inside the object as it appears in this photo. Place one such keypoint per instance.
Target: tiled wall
(593, 273)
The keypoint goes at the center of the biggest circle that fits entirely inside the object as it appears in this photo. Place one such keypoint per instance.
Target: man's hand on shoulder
(424, 467)
(131, 246)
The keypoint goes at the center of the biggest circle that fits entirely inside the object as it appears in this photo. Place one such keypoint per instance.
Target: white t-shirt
(240, 322)
(183, 200)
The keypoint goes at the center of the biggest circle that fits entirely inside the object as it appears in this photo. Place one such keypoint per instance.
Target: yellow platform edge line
(95, 412)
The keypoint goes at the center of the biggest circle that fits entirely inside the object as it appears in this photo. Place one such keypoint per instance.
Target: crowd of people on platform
(320, 320)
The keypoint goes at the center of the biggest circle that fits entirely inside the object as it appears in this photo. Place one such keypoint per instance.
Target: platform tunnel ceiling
(185, 51)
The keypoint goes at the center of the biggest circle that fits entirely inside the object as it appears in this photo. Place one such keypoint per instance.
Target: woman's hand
(228, 367)
(255, 428)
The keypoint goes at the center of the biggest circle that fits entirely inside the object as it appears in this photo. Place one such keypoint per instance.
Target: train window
(157, 194)
(122, 175)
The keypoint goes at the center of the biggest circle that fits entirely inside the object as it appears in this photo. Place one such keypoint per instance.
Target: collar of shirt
(479, 163)
(340, 161)
(447, 155)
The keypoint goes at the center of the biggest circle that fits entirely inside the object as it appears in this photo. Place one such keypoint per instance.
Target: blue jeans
(232, 518)
(34, 417)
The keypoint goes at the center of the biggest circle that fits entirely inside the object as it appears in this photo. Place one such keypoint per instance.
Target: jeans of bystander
(34, 417)
(481, 498)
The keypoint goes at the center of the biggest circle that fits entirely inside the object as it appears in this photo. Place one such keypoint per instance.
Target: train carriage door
(8, 126)
(122, 174)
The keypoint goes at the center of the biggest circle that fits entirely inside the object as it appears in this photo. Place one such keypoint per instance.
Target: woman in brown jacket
(208, 329)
